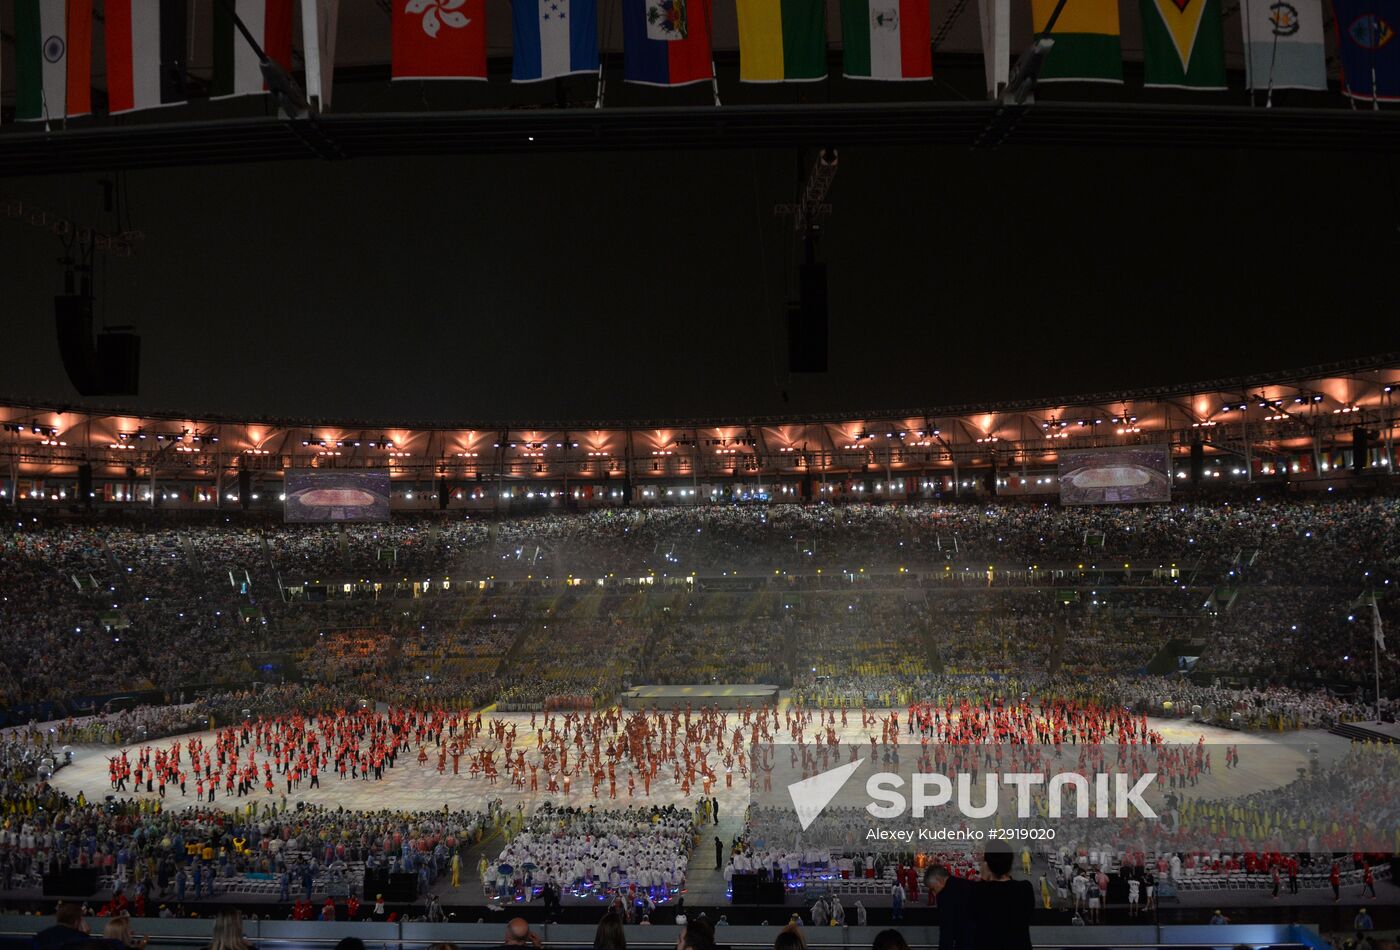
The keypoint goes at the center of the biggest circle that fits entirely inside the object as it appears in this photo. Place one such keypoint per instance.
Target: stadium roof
(1306, 411)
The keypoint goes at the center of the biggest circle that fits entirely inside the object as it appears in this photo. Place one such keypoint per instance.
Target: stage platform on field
(1369, 731)
(723, 695)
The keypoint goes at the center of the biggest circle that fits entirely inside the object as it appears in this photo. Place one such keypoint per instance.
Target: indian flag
(782, 40)
(886, 39)
(53, 58)
(1088, 47)
(236, 69)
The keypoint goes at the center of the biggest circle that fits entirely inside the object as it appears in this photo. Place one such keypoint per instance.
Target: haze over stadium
(692, 479)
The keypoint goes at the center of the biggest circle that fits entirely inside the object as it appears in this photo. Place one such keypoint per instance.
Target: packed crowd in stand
(178, 609)
(338, 654)
(178, 854)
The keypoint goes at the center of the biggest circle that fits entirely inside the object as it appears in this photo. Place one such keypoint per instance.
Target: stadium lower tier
(523, 610)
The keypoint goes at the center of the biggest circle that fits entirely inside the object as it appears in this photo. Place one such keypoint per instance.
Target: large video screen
(317, 496)
(1115, 476)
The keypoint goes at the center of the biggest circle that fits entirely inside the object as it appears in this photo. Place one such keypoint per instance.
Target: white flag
(1283, 45)
(1377, 630)
(996, 43)
(318, 21)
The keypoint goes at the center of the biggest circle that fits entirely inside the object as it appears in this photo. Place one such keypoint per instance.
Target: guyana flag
(1183, 44)
(1087, 46)
(782, 40)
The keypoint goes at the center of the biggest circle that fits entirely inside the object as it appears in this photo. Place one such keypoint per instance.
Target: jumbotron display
(314, 496)
(1115, 476)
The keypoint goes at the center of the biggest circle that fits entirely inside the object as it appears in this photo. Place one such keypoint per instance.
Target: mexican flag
(236, 70)
(782, 40)
(1183, 44)
(886, 39)
(53, 59)
(1088, 45)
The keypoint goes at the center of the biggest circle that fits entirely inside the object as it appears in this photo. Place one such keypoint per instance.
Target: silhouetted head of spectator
(889, 940)
(610, 935)
(936, 877)
(790, 938)
(998, 861)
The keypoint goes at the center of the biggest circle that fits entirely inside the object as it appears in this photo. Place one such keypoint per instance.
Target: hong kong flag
(439, 39)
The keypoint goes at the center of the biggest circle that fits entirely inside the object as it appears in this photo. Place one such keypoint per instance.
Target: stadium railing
(17, 931)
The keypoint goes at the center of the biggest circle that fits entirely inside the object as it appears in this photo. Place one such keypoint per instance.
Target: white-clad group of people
(646, 849)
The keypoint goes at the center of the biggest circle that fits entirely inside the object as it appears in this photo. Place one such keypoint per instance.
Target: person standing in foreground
(68, 931)
(954, 907)
(1002, 907)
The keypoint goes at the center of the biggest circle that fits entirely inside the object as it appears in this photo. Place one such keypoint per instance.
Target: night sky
(649, 285)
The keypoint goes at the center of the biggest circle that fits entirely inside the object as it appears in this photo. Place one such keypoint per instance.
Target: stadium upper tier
(859, 599)
(1301, 427)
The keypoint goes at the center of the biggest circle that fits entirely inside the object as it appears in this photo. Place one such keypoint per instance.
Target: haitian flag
(666, 42)
(1369, 51)
(554, 38)
(439, 39)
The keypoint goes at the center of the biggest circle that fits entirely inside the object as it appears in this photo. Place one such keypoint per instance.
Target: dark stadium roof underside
(956, 124)
(1300, 378)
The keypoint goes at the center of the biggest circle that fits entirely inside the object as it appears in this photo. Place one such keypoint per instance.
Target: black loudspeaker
(245, 488)
(74, 882)
(376, 882)
(989, 481)
(85, 484)
(402, 889)
(807, 322)
(1198, 462)
(745, 889)
(443, 491)
(119, 361)
(73, 323)
(1360, 448)
(111, 366)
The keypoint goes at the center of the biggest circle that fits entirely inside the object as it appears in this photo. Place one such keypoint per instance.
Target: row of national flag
(146, 47)
(1183, 44)
(667, 43)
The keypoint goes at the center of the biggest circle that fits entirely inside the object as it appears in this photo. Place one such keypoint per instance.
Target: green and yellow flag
(782, 40)
(1183, 44)
(1088, 46)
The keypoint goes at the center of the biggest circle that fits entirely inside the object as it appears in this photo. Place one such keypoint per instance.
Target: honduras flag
(554, 38)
